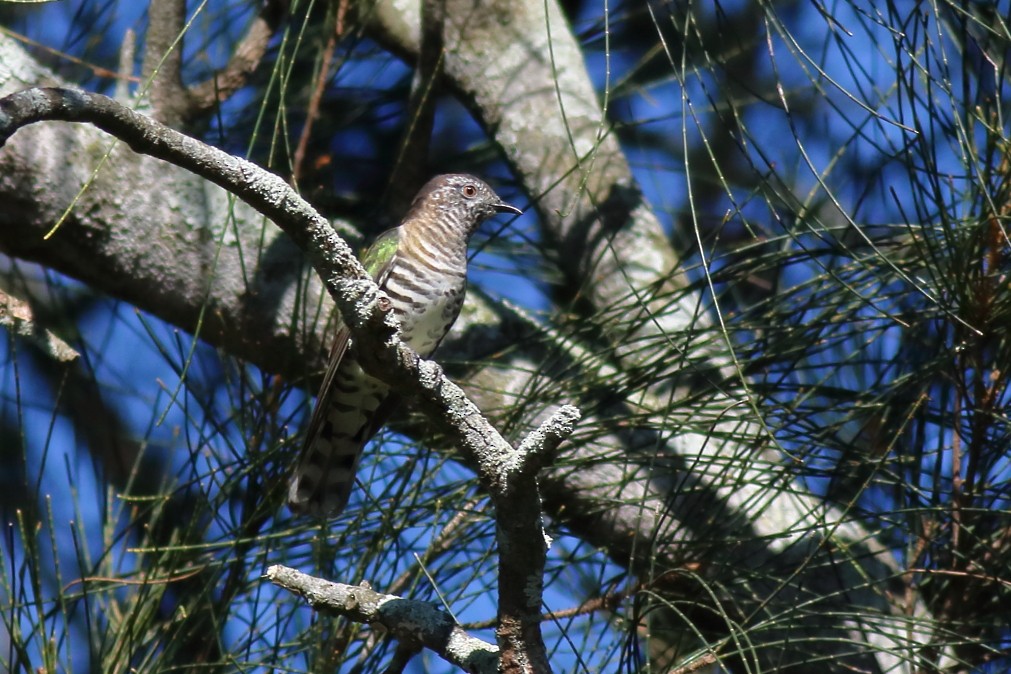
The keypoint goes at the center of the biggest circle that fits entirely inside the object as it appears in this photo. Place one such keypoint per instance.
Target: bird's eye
(469, 191)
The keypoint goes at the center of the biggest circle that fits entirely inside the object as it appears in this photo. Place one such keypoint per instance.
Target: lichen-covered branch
(414, 622)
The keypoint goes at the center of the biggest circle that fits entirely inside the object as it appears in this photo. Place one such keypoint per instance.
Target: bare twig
(312, 112)
(410, 621)
(695, 665)
(442, 542)
(606, 602)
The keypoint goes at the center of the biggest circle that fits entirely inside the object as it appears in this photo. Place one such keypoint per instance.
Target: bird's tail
(349, 411)
(322, 482)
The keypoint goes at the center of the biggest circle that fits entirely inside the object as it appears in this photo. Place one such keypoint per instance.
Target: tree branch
(411, 165)
(413, 622)
(163, 61)
(16, 315)
(205, 96)
(173, 103)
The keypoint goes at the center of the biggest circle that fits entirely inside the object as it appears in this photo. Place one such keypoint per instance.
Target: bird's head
(464, 198)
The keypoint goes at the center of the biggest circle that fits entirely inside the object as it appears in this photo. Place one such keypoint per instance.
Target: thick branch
(163, 60)
(410, 168)
(348, 282)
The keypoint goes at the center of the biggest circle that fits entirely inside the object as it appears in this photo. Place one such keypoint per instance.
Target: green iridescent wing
(378, 259)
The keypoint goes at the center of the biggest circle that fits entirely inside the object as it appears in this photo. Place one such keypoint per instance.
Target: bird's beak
(503, 207)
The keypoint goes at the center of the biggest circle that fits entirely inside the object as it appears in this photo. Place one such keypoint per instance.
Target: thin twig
(312, 112)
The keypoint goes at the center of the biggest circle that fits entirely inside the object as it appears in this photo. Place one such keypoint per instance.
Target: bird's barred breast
(426, 305)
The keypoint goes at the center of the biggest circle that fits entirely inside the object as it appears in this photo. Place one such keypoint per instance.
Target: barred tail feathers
(347, 415)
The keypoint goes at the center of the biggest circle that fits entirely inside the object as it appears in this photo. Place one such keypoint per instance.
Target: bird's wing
(378, 261)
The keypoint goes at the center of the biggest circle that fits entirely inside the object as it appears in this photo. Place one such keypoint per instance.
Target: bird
(421, 265)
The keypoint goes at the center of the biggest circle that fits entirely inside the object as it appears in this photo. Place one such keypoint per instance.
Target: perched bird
(422, 267)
